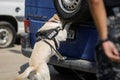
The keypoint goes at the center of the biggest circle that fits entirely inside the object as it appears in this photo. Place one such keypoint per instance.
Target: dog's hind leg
(34, 76)
(43, 71)
(25, 74)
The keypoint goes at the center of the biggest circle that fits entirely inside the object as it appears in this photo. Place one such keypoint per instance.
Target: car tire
(7, 34)
(76, 11)
(80, 74)
(62, 70)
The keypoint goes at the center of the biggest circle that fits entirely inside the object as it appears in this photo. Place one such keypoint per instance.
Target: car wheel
(7, 34)
(73, 10)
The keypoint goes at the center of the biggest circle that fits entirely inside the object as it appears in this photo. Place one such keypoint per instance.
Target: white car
(11, 21)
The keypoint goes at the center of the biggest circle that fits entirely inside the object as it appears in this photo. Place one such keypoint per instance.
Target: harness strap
(55, 41)
(60, 57)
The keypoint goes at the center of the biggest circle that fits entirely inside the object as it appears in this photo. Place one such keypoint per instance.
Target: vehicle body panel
(14, 9)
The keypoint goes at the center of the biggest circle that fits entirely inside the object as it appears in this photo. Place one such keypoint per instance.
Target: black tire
(78, 14)
(7, 34)
(62, 70)
(85, 75)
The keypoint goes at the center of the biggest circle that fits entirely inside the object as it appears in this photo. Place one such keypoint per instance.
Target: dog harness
(50, 34)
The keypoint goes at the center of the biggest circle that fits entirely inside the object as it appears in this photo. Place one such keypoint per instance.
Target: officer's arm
(100, 18)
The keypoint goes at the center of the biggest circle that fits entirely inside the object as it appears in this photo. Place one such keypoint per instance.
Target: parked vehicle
(82, 36)
(11, 21)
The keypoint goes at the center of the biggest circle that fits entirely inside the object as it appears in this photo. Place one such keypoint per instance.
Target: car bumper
(78, 64)
(25, 44)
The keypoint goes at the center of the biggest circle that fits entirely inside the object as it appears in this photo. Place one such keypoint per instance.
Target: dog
(44, 49)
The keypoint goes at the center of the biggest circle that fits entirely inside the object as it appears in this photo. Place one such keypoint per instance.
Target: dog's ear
(55, 17)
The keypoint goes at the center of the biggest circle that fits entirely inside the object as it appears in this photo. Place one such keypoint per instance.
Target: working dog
(43, 51)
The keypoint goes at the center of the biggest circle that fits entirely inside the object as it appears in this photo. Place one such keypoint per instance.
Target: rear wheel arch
(11, 20)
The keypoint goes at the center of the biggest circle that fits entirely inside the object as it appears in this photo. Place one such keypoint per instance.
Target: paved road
(12, 62)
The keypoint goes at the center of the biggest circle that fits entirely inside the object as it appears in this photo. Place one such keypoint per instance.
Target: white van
(11, 21)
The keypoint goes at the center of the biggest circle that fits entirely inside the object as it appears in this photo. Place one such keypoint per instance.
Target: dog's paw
(17, 78)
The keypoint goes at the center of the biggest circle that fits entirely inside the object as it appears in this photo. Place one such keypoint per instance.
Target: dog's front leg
(43, 72)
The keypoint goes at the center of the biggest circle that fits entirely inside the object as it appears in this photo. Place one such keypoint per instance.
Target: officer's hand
(111, 51)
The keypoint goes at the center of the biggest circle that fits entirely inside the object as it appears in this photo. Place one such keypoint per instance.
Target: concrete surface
(10, 62)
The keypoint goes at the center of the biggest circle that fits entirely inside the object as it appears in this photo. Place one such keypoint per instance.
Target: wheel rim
(5, 36)
(69, 6)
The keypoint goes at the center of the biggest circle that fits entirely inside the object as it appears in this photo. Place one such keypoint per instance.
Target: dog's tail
(26, 73)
